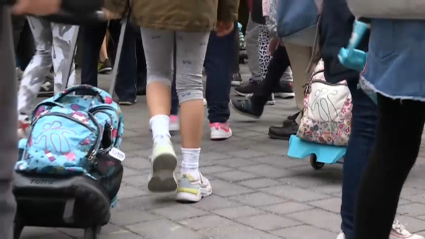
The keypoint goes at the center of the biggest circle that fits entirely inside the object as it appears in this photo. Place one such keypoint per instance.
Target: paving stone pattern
(258, 191)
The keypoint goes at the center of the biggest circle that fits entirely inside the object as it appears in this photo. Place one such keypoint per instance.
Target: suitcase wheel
(17, 230)
(92, 232)
(313, 161)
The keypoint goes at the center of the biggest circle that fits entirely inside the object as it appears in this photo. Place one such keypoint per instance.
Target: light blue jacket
(396, 59)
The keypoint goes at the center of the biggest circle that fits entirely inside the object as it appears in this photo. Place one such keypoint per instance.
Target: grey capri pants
(190, 54)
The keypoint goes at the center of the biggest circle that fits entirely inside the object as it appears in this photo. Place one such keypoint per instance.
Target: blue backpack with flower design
(69, 132)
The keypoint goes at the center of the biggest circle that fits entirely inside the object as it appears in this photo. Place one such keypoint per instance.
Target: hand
(111, 15)
(274, 43)
(37, 7)
(224, 28)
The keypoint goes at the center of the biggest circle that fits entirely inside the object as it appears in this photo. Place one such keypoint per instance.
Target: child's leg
(190, 54)
(36, 71)
(158, 46)
(62, 40)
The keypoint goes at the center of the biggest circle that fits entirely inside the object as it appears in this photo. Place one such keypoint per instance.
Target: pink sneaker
(174, 123)
(220, 131)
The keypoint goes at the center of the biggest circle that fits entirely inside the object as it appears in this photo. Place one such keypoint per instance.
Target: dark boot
(290, 127)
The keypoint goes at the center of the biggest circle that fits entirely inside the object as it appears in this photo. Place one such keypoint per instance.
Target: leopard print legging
(263, 50)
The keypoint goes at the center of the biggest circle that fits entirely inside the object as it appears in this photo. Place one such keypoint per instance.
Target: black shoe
(284, 132)
(247, 108)
(105, 67)
(47, 89)
(237, 79)
(127, 102)
(247, 89)
(284, 90)
(291, 119)
(141, 91)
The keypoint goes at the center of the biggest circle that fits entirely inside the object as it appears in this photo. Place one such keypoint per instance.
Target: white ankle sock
(190, 162)
(160, 125)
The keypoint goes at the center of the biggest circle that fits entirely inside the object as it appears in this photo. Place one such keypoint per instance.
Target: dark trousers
(23, 41)
(8, 126)
(218, 67)
(363, 127)
(141, 60)
(277, 66)
(235, 63)
(127, 70)
(398, 139)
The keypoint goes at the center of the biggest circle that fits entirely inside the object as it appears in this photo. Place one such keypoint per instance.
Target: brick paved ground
(258, 191)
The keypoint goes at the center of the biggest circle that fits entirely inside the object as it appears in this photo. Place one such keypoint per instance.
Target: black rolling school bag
(70, 201)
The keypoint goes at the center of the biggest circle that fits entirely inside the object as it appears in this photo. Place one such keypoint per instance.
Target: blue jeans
(127, 73)
(218, 65)
(363, 127)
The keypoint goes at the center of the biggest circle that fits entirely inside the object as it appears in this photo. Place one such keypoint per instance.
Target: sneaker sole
(222, 136)
(243, 94)
(284, 95)
(163, 179)
(271, 102)
(189, 197)
(243, 113)
(236, 83)
(105, 70)
(272, 136)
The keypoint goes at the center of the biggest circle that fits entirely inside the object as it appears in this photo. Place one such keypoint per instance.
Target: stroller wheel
(17, 230)
(92, 232)
(316, 165)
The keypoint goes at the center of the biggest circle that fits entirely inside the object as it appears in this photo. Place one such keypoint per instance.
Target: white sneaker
(164, 162)
(174, 123)
(193, 190)
(399, 232)
(220, 131)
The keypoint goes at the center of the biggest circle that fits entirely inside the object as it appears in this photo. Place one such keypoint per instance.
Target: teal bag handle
(355, 59)
(101, 94)
(351, 57)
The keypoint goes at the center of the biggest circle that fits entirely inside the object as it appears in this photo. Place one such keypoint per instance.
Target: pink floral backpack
(326, 117)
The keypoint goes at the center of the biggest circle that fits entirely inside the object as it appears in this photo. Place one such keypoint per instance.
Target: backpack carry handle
(104, 97)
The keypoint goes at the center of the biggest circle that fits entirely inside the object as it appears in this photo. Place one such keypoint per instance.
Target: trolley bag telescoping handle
(119, 51)
(90, 90)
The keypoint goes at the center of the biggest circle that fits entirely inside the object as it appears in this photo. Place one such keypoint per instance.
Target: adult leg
(218, 67)
(93, 36)
(300, 59)
(39, 67)
(62, 40)
(254, 106)
(398, 139)
(236, 76)
(264, 60)
(18, 25)
(126, 87)
(190, 55)
(252, 44)
(141, 63)
(26, 48)
(363, 126)
(8, 141)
